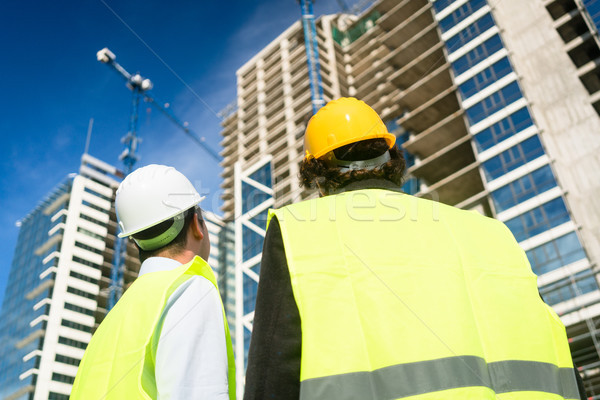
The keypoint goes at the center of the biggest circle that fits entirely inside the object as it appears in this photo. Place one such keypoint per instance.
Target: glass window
(392, 125)
(75, 325)
(95, 207)
(538, 220)
(63, 378)
(88, 248)
(477, 55)
(518, 155)
(57, 396)
(439, 5)
(252, 196)
(555, 254)
(485, 78)
(503, 129)
(89, 233)
(461, 13)
(82, 310)
(262, 175)
(256, 268)
(67, 360)
(260, 219)
(250, 290)
(469, 33)
(251, 243)
(91, 191)
(83, 277)
(593, 8)
(81, 293)
(85, 262)
(524, 188)
(72, 342)
(564, 289)
(247, 336)
(411, 186)
(493, 103)
(94, 220)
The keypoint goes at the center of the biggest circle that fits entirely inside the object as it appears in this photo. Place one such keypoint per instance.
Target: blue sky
(51, 85)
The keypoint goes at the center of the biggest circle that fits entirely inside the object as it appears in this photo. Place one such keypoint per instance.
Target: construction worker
(369, 293)
(167, 337)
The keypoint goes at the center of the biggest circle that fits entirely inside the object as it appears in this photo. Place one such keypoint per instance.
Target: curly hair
(327, 177)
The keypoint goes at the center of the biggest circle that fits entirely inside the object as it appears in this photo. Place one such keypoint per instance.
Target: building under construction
(495, 104)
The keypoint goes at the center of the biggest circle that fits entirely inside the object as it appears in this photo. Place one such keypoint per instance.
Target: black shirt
(274, 357)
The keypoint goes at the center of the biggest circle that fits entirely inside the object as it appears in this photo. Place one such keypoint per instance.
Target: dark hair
(176, 245)
(326, 176)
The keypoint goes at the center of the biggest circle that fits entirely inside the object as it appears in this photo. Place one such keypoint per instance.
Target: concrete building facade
(494, 104)
(261, 143)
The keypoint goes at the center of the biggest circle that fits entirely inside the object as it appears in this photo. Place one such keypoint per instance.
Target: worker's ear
(197, 228)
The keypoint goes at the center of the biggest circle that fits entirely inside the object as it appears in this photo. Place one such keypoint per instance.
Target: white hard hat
(151, 195)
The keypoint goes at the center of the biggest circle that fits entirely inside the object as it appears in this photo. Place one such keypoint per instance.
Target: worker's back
(119, 362)
(400, 296)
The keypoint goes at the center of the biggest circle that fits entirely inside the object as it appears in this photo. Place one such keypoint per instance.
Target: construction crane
(140, 87)
(312, 54)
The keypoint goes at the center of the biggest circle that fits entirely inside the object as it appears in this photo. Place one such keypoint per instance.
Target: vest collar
(369, 184)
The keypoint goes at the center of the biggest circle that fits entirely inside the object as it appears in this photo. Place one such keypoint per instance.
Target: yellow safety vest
(402, 297)
(119, 361)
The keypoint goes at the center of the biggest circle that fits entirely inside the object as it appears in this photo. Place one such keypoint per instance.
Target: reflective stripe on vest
(119, 361)
(405, 380)
(400, 296)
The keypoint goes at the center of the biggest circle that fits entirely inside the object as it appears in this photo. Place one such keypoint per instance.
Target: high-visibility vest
(119, 360)
(401, 297)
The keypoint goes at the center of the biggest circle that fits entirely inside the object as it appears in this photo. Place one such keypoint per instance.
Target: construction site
(494, 104)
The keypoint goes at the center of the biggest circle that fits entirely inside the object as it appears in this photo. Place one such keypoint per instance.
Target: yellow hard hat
(341, 122)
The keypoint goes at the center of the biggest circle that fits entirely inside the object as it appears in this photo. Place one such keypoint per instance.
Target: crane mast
(140, 87)
(312, 54)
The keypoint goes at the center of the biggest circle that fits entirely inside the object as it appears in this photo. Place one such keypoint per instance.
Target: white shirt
(191, 353)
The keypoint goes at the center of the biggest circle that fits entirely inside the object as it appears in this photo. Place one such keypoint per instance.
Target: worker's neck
(183, 257)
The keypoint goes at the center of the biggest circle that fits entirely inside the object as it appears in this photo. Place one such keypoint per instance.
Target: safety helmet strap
(165, 237)
(360, 164)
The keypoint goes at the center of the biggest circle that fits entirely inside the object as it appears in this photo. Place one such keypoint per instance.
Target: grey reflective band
(412, 379)
(361, 164)
(164, 238)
